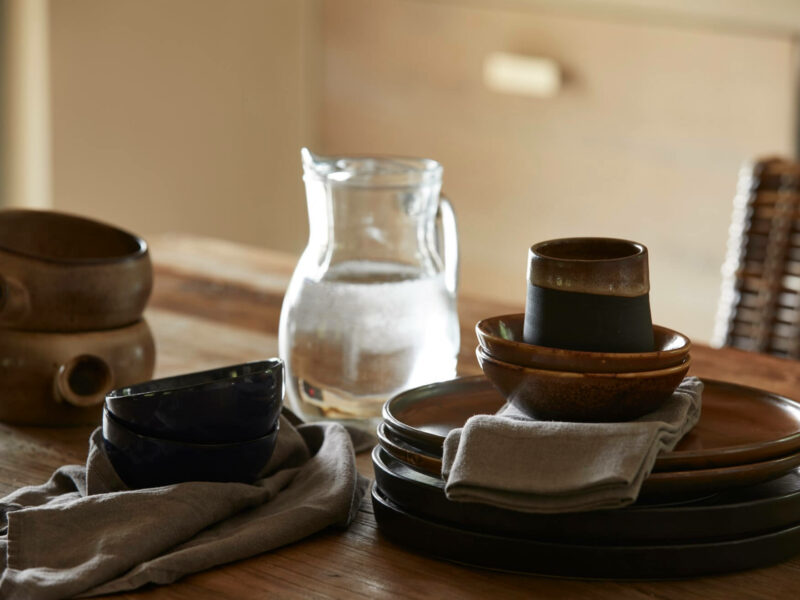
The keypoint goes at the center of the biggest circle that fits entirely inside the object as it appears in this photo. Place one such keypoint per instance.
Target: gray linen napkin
(514, 462)
(84, 533)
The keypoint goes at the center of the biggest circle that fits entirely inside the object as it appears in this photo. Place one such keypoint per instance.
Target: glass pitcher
(371, 307)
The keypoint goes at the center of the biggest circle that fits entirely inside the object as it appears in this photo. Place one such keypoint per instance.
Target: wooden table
(217, 303)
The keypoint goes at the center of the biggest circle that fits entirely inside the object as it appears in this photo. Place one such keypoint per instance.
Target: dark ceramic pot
(143, 461)
(229, 404)
(589, 294)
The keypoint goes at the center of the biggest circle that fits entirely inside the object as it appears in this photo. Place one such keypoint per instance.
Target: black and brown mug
(589, 294)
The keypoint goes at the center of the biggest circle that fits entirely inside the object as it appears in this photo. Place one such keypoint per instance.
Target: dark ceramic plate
(524, 555)
(739, 425)
(737, 513)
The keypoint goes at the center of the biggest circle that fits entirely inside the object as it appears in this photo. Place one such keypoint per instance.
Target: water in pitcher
(345, 367)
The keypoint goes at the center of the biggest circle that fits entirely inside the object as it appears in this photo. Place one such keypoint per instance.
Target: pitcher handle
(448, 242)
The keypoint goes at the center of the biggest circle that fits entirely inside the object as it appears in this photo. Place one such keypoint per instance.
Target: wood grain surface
(216, 303)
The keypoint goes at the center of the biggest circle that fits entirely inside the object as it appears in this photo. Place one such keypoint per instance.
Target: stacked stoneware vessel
(586, 349)
(578, 385)
(217, 425)
(72, 294)
(570, 381)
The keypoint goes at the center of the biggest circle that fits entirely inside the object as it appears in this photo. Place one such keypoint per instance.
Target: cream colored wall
(643, 142)
(184, 115)
(189, 114)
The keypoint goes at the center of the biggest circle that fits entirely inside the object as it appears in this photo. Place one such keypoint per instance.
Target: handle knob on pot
(14, 301)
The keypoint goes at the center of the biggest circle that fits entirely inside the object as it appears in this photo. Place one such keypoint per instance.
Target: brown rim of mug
(590, 265)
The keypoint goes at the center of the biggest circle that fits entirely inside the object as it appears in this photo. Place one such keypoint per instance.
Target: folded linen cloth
(511, 461)
(84, 533)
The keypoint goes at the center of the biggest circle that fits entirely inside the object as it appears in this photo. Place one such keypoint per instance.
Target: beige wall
(643, 142)
(189, 115)
(184, 115)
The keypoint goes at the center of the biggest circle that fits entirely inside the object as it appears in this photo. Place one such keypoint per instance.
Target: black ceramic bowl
(229, 404)
(142, 461)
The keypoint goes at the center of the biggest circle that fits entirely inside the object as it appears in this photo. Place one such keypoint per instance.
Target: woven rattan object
(759, 307)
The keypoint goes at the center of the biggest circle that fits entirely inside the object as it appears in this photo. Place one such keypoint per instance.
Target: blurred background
(624, 118)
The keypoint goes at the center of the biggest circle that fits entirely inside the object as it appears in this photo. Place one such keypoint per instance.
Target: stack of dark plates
(758, 307)
(727, 498)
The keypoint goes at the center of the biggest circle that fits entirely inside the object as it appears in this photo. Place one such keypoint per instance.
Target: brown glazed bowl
(501, 338)
(62, 378)
(582, 397)
(60, 272)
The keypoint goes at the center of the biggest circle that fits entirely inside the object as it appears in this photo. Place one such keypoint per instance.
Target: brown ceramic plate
(663, 486)
(709, 481)
(738, 426)
(398, 448)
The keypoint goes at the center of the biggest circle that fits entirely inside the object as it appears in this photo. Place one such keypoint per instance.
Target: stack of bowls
(574, 385)
(217, 425)
(72, 294)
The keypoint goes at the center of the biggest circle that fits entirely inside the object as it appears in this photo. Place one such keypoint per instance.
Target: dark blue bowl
(142, 461)
(230, 404)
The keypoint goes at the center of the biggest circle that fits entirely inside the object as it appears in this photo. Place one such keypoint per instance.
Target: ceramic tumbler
(589, 294)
